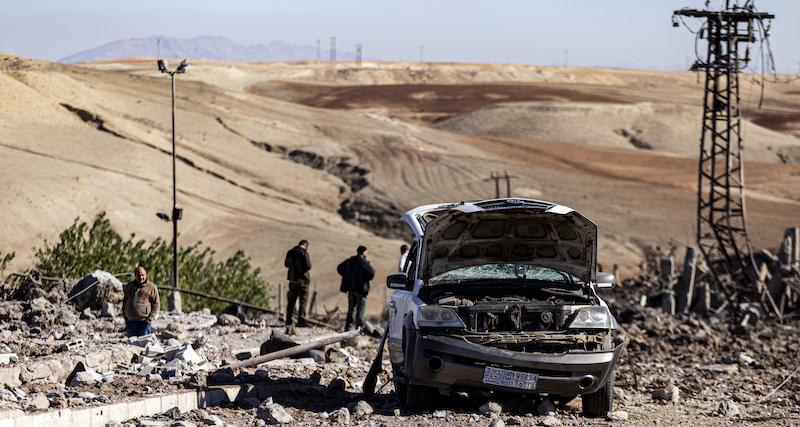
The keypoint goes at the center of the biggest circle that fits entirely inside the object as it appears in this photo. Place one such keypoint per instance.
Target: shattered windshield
(513, 272)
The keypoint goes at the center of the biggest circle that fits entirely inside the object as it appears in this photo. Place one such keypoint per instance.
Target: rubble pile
(768, 287)
(676, 366)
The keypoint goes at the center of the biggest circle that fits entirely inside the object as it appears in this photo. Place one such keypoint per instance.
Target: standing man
(298, 262)
(140, 304)
(403, 257)
(356, 273)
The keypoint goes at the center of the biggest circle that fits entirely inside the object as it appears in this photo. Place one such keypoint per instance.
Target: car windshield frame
(506, 272)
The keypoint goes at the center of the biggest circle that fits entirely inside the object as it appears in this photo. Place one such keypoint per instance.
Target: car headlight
(592, 318)
(434, 316)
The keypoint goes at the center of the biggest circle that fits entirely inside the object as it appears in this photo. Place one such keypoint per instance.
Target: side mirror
(397, 281)
(606, 280)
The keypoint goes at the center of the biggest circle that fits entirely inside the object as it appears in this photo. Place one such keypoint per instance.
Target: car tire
(599, 403)
(399, 385)
(418, 398)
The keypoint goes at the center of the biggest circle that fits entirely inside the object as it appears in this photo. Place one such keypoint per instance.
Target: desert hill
(271, 153)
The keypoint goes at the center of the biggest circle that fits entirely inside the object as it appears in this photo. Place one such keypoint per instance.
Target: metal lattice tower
(721, 226)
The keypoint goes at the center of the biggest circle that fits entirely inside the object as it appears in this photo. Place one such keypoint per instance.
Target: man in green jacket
(140, 304)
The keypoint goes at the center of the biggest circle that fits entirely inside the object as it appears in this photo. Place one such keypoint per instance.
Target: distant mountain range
(205, 47)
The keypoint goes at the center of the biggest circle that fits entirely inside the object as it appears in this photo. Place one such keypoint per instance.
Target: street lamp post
(174, 299)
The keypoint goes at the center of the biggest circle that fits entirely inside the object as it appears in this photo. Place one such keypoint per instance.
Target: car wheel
(599, 403)
(418, 397)
(399, 385)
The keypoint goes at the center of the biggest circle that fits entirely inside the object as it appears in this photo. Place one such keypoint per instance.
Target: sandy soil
(271, 153)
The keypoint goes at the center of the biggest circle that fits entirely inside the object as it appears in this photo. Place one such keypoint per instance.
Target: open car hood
(518, 231)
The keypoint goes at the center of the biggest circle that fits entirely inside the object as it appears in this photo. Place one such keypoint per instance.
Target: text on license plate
(506, 378)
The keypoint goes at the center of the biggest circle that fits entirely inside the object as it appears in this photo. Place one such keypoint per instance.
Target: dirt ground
(676, 370)
(272, 153)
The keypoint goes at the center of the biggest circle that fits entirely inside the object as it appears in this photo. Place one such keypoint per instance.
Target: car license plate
(506, 378)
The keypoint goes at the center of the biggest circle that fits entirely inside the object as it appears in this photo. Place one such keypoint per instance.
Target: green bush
(82, 250)
(4, 262)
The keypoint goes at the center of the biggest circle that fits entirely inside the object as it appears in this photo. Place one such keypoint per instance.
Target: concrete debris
(701, 361)
(728, 408)
(515, 420)
(617, 416)
(8, 358)
(497, 423)
(340, 417)
(228, 320)
(550, 420)
(669, 394)
(491, 409)
(95, 289)
(212, 420)
(362, 408)
(37, 401)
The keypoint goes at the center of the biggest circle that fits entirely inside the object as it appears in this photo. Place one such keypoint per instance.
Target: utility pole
(317, 50)
(496, 177)
(721, 226)
(333, 49)
(420, 53)
(358, 55)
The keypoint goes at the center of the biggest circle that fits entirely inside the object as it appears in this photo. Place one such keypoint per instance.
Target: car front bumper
(446, 362)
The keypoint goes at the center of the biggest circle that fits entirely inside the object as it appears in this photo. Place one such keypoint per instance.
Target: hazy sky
(614, 33)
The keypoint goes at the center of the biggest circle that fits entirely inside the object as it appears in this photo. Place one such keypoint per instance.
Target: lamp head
(162, 65)
(163, 216)
(183, 67)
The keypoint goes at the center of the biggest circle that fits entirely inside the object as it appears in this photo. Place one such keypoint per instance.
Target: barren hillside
(271, 153)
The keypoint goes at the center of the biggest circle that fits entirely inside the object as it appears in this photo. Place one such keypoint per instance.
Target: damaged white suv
(500, 295)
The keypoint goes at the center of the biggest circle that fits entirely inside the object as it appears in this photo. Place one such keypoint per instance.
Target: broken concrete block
(108, 310)
(274, 413)
(72, 345)
(127, 368)
(228, 320)
(338, 356)
(212, 420)
(36, 371)
(549, 421)
(167, 371)
(671, 394)
(10, 377)
(8, 358)
(146, 370)
(317, 355)
(80, 367)
(37, 401)
(142, 340)
(362, 408)
(617, 416)
(728, 408)
(154, 349)
(7, 395)
(170, 351)
(83, 378)
(166, 334)
(340, 416)
(491, 409)
(188, 355)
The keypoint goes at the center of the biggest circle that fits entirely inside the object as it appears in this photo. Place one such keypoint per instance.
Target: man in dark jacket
(356, 273)
(298, 262)
(140, 304)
